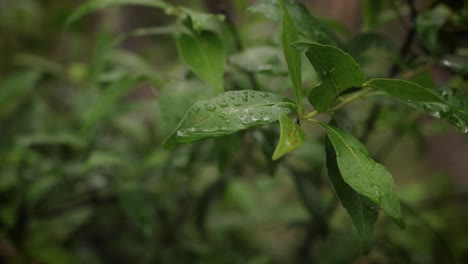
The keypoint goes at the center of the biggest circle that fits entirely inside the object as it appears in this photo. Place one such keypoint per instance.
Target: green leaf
(362, 210)
(15, 89)
(429, 26)
(204, 54)
(291, 137)
(95, 5)
(363, 174)
(307, 25)
(199, 21)
(293, 57)
(404, 90)
(227, 113)
(337, 69)
(455, 109)
(107, 102)
(262, 59)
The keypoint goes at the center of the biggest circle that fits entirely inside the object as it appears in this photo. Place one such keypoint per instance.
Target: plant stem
(343, 103)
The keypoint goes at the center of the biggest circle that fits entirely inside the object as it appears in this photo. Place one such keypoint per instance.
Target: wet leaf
(291, 138)
(204, 54)
(404, 90)
(361, 209)
(293, 57)
(363, 174)
(337, 69)
(227, 113)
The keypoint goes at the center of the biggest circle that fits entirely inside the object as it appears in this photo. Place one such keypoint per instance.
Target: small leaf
(404, 90)
(227, 113)
(363, 174)
(293, 57)
(291, 137)
(204, 54)
(262, 59)
(95, 5)
(337, 69)
(362, 210)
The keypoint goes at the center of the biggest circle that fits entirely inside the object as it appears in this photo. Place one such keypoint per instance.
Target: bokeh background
(84, 110)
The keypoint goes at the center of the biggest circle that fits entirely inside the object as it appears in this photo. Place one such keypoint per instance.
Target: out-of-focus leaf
(429, 27)
(404, 90)
(363, 174)
(307, 25)
(263, 59)
(14, 89)
(204, 54)
(227, 113)
(132, 64)
(39, 64)
(337, 69)
(458, 64)
(362, 210)
(107, 102)
(199, 21)
(291, 138)
(373, 52)
(293, 57)
(372, 11)
(95, 5)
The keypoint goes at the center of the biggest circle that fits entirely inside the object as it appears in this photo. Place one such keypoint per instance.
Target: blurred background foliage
(84, 110)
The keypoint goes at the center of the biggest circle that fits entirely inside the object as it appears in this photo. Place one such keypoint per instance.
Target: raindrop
(223, 104)
(465, 130)
(324, 73)
(210, 107)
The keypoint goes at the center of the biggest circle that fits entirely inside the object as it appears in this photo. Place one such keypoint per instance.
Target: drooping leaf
(204, 54)
(95, 5)
(199, 21)
(454, 110)
(361, 209)
(227, 113)
(363, 174)
(291, 137)
(404, 90)
(293, 57)
(337, 69)
(263, 59)
(307, 25)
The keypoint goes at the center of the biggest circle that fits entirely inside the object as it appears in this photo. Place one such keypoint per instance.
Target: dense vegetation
(148, 131)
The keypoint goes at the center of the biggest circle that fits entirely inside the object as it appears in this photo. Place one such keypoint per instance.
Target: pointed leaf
(204, 54)
(362, 210)
(404, 90)
(337, 69)
(227, 113)
(363, 174)
(95, 5)
(293, 57)
(291, 137)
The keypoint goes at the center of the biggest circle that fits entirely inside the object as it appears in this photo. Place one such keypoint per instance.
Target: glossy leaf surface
(227, 113)
(337, 70)
(204, 54)
(293, 57)
(361, 209)
(404, 90)
(291, 138)
(363, 174)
